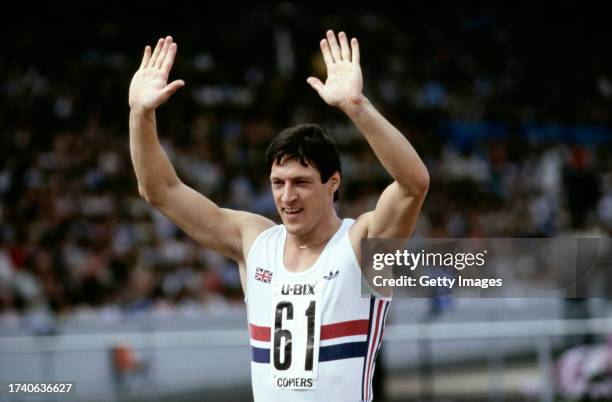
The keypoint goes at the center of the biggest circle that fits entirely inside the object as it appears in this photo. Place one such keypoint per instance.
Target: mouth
(292, 211)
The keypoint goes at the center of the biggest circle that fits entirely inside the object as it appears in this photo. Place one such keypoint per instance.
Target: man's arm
(398, 206)
(225, 231)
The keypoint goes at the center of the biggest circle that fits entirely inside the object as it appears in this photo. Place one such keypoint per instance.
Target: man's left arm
(398, 206)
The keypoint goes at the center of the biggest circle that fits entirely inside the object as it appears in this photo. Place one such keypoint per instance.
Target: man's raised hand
(344, 84)
(149, 87)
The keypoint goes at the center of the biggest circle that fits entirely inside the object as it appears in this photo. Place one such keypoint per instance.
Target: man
(313, 337)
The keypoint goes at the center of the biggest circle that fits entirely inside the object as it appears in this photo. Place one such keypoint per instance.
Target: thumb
(316, 84)
(173, 86)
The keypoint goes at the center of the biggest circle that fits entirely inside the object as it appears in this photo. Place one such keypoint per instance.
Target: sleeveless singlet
(313, 336)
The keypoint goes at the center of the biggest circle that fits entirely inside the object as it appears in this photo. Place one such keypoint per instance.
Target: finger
(164, 51)
(315, 83)
(158, 48)
(355, 52)
(326, 52)
(333, 45)
(169, 59)
(146, 57)
(344, 47)
(173, 87)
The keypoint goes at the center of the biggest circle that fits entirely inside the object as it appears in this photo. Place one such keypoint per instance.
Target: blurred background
(509, 109)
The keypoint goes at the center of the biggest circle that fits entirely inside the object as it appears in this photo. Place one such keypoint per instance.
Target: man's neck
(301, 252)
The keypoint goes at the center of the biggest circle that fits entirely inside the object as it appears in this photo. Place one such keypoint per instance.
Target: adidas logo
(331, 275)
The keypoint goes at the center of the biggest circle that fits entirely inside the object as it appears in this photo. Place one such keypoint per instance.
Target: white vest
(351, 326)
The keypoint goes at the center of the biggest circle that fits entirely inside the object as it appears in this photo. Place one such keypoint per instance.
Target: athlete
(313, 336)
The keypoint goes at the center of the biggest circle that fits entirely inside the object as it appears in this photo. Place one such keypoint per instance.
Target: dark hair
(309, 144)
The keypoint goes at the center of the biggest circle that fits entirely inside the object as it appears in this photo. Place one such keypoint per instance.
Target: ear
(334, 181)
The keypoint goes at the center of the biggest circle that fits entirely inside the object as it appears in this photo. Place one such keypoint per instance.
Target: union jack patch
(263, 275)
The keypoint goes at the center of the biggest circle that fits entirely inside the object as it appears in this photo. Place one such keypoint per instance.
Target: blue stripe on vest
(259, 355)
(343, 351)
(326, 353)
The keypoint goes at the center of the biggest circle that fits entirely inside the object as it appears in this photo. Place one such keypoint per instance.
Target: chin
(293, 228)
(296, 228)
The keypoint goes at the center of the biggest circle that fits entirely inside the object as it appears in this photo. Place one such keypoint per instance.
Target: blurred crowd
(510, 114)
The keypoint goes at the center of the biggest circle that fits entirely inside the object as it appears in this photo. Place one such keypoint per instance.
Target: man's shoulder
(249, 226)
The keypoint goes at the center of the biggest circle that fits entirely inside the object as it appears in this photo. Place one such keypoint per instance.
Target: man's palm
(344, 78)
(149, 87)
(343, 82)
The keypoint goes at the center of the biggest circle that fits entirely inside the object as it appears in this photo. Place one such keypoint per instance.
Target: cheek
(276, 195)
(318, 200)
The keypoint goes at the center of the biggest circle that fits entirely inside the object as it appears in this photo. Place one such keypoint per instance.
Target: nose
(289, 193)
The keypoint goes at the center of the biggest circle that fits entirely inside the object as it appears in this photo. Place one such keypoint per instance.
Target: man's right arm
(225, 231)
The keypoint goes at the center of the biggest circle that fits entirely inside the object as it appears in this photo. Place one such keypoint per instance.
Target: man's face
(300, 196)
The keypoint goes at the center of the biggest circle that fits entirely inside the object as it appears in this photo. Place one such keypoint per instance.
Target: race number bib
(296, 321)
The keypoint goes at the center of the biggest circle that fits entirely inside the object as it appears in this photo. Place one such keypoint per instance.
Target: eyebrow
(303, 178)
